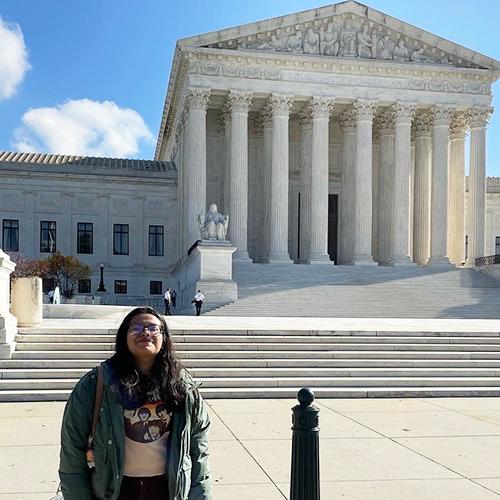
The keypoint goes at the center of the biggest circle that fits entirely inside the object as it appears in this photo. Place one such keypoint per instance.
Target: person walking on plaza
(198, 300)
(51, 296)
(149, 440)
(167, 298)
(56, 298)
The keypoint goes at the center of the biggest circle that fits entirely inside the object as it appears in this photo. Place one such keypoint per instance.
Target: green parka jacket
(188, 469)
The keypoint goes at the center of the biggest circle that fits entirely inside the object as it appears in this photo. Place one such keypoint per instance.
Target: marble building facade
(332, 134)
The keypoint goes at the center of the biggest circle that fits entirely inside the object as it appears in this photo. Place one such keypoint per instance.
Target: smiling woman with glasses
(151, 437)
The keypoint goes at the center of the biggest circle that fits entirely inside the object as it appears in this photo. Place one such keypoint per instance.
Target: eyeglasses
(138, 329)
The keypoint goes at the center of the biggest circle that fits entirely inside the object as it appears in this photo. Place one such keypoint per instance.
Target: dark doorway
(332, 226)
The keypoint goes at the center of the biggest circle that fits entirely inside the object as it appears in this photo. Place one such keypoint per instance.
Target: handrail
(488, 260)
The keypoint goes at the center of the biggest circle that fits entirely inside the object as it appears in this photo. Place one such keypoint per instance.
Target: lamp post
(101, 288)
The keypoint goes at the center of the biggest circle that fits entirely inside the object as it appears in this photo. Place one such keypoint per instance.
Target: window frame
(48, 230)
(156, 283)
(89, 286)
(119, 283)
(156, 234)
(119, 232)
(8, 239)
(83, 232)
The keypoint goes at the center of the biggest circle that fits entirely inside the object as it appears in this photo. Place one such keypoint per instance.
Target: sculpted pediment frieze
(345, 36)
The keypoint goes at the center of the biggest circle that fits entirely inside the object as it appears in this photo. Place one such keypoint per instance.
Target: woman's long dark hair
(166, 372)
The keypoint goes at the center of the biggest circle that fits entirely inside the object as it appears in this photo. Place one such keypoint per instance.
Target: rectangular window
(120, 239)
(156, 241)
(155, 288)
(47, 236)
(85, 237)
(120, 286)
(84, 286)
(497, 245)
(10, 235)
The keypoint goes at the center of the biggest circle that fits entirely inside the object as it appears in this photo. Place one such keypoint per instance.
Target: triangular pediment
(344, 30)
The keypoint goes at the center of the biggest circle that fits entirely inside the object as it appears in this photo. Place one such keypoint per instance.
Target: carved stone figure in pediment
(364, 39)
(311, 42)
(274, 44)
(330, 40)
(385, 48)
(401, 52)
(295, 43)
(348, 39)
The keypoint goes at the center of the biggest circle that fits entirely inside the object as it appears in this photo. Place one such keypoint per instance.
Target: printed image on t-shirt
(147, 423)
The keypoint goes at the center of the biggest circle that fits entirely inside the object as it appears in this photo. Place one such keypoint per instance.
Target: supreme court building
(336, 133)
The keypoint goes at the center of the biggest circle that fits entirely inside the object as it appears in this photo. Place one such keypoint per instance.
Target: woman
(151, 437)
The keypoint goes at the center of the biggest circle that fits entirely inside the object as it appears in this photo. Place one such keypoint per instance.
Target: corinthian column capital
(422, 123)
(441, 115)
(403, 112)
(306, 116)
(364, 109)
(197, 98)
(385, 122)
(321, 107)
(480, 116)
(239, 101)
(347, 119)
(459, 123)
(281, 104)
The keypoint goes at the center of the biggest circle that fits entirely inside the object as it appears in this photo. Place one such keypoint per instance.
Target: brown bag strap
(98, 398)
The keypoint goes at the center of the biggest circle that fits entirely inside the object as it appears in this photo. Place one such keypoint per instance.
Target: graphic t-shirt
(147, 429)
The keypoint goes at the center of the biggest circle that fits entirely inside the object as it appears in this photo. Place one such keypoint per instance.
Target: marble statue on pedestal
(214, 225)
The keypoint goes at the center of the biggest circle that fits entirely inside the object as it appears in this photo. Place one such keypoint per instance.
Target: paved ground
(439, 449)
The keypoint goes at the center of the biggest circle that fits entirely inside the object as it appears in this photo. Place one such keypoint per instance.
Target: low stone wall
(8, 322)
(81, 311)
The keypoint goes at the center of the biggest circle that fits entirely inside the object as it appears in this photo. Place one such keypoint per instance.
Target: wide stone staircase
(361, 291)
(268, 363)
(232, 360)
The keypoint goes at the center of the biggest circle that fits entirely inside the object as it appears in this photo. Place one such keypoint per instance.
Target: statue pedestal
(209, 268)
(8, 322)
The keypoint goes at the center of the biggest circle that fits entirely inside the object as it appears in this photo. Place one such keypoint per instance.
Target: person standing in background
(167, 298)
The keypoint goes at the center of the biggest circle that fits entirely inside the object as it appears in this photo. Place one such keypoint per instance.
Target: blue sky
(108, 62)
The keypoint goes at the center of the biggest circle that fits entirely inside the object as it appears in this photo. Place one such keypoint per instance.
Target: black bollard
(304, 482)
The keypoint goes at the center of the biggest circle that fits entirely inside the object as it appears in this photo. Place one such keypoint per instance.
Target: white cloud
(13, 58)
(82, 127)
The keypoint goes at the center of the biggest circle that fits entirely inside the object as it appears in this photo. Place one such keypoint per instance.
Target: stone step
(254, 339)
(271, 346)
(254, 382)
(289, 354)
(268, 363)
(207, 372)
(285, 393)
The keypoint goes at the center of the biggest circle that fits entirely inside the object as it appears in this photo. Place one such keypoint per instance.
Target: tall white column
(196, 160)
(346, 210)
(385, 123)
(225, 119)
(456, 190)
(321, 108)
(239, 104)
(439, 186)
(364, 110)
(267, 125)
(477, 183)
(280, 106)
(305, 120)
(403, 112)
(375, 186)
(422, 188)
